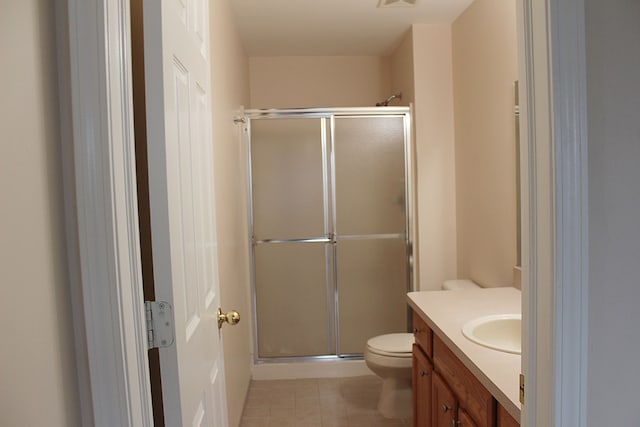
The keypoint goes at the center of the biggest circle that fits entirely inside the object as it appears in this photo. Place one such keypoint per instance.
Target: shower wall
(329, 232)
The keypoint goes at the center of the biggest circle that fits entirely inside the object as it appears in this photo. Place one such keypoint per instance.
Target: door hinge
(521, 388)
(160, 328)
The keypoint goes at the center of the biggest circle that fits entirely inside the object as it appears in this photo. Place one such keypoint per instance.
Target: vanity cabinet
(506, 420)
(423, 335)
(476, 400)
(422, 379)
(446, 393)
(444, 404)
(465, 420)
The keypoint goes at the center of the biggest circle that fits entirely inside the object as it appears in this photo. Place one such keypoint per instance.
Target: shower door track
(328, 166)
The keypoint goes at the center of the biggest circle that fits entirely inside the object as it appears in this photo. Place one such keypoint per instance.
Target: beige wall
(484, 69)
(434, 131)
(230, 88)
(613, 67)
(401, 70)
(37, 366)
(403, 81)
(318, 81)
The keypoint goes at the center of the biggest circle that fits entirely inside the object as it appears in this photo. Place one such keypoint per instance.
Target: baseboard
(320, 369)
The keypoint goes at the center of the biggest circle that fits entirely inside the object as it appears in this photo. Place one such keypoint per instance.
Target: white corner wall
(230, 89)
(613, 90)
(485, 65)
(435, 154)
(37, 358)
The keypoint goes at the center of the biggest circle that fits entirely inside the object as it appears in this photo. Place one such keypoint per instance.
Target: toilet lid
(392, 344)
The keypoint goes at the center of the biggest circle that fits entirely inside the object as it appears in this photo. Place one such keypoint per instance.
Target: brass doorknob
(232, 317)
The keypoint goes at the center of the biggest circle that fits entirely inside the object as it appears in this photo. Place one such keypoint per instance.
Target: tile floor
(324, 402)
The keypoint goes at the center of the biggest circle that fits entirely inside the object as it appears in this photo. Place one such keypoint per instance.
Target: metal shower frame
(328, 116)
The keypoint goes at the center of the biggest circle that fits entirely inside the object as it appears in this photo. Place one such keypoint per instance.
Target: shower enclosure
(330, 207)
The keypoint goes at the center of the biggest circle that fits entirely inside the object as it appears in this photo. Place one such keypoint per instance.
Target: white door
(177, 73)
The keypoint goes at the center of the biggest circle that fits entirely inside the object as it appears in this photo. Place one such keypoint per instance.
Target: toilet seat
(391, 345)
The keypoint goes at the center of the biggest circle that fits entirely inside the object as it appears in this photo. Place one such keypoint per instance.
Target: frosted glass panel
(286, 157)
(369, 171)
(372, 284)
(291, 298)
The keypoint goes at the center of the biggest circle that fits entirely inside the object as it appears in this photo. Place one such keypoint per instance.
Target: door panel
(288, 175)
(372, 287)
(182, 207)
(370, 175)
(464, 420)
(291, 299)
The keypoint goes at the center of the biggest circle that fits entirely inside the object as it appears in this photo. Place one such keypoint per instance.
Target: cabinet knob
(423, 373)
(416, 330)
(446, 408)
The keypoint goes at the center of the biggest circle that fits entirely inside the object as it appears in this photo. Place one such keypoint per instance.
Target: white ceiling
(333, 27)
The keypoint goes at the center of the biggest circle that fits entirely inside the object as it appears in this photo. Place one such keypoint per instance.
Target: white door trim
(102, 215)
(555, 207)
(103, 247)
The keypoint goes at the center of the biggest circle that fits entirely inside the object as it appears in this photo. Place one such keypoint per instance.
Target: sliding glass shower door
(291, 243)
(370, 224)
(330, 229)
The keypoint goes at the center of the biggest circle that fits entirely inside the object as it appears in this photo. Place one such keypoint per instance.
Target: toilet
(389, 357)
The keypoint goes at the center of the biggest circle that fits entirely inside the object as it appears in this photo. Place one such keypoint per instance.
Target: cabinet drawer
(423, 335)
(477, 400)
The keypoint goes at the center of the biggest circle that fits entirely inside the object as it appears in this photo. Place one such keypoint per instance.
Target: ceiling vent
(396, 3)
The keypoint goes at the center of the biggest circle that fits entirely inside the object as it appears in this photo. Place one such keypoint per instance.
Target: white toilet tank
(459, 285)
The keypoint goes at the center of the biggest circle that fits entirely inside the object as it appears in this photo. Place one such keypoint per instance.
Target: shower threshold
(315, 359)
(309, 367)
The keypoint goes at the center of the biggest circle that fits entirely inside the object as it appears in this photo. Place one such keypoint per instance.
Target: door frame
(554, 184)
(96, 115)
(101, 213)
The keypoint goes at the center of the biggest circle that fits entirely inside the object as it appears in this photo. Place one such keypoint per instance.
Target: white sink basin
(500, 332)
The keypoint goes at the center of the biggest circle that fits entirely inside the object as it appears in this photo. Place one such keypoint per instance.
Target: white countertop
(446, 311)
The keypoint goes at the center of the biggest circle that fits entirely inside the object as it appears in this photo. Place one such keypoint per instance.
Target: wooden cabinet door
(506, 420)
(445, 404)
(473, 396)
(464, 420)
(422, 375)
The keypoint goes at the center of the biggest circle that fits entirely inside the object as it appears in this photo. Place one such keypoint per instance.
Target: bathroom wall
(230, 88)
(37, 357)
(613, 97)
(318, 81)
(434, 132)
(484, 69)
(401, 70)
(424, 53)
(402, 81)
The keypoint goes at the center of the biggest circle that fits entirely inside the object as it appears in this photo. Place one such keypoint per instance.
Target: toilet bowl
(389, 357)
